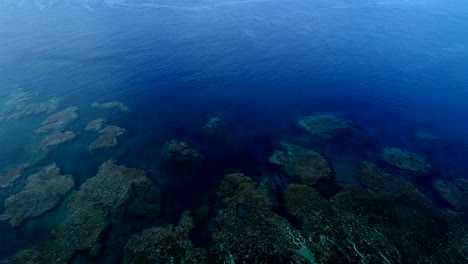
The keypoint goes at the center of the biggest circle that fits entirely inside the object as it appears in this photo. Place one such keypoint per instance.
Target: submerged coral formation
(11, 175)
(176, 162)
(43, 191)
(59, 120)
(409, 164)
(301, 163)
(22, 104)
(455, 193)
(108, 138)
(249, 229)
(426, 138)
(214, 128)
(324, 126)
(122, 215)
(384, 221)
(57, 138)
(114, 105)
(373, 177)
(308, 205)
(98, 198)
(168, 244)
(95, 125)
(387, 222)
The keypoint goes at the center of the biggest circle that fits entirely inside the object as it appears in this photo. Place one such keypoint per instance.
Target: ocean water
(395, 69)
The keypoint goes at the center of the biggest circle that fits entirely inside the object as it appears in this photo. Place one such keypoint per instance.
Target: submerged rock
(108, 138)
(409, 164)
(214, 128)
(455, 193)
(324, 126)
(301, 163)
(43, 191)
(57, 138)
(177, 162)
(250, 231)
(59, 120)
(114, 105)
(95, 125)
(9, 176)
(97, 199)
(169, 244)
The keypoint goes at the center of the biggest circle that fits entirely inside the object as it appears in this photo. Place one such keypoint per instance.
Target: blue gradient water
(392, 67)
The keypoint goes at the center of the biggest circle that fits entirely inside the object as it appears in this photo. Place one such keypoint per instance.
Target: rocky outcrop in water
(168, 244)
(43, 191)
(300, 163)
(108, 138)
(409, 164)
(324, 126)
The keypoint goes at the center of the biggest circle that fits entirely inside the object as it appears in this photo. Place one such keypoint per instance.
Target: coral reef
(323, 126)
(21, 104)
(34, 109)
(214, 128)
(308, 205)
(114, 105)
(56, 139)
(301, 163)
(410, 165)
(249, 231)
(455, 193)
(59, 120)
(176, 162)
(402, 228)
(11, 175)
(97, 199)
(108, 138)
(387, 222)
(423, 137)
(18, 99)
(375, 178)
(145, 201)
(43, 191)
(95, 125)
(169, 244)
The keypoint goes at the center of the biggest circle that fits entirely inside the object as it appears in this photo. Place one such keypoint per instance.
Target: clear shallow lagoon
(395, 69)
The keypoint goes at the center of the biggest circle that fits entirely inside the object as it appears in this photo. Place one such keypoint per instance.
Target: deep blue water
(392, 67)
